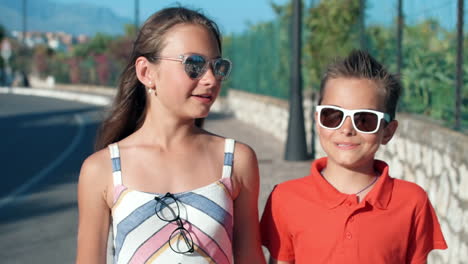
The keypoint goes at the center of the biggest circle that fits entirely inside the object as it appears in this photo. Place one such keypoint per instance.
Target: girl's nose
(208, 77)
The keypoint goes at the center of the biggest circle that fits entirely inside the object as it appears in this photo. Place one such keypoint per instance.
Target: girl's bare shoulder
(98, 163)
(96, 172)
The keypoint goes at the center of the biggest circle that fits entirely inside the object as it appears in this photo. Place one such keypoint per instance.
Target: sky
(233, 16)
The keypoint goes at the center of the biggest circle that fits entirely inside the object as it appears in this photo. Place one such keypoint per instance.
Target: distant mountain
(46, 15)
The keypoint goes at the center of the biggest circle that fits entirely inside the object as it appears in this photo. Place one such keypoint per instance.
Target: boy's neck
(350, 180)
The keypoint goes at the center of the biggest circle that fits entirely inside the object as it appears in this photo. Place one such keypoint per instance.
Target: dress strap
(115, 158)
(228, 157)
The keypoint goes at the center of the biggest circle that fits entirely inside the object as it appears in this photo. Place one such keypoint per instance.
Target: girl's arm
(94, 213)
(247, 245)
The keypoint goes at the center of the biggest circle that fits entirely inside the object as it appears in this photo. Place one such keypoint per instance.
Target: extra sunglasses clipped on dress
(364, 120)
(196, 65)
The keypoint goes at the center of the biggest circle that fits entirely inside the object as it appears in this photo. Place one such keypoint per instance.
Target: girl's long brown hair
(128, 111)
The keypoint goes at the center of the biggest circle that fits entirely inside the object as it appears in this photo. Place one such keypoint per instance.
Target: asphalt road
(42, 145)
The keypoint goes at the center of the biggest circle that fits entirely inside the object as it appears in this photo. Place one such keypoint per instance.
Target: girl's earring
(151, 90)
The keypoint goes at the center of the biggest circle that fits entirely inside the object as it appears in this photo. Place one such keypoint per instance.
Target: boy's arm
(246, 244)
(426, 235)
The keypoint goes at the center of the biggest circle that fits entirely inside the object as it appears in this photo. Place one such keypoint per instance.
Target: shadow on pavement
(33, 141)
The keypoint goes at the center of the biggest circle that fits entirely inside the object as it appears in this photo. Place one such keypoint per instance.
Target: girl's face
(177, 93)
(345, 146)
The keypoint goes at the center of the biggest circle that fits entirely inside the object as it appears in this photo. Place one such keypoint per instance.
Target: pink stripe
(228, 184)
(152, 245)
(204, 242)
(118, 191)
(208, 245)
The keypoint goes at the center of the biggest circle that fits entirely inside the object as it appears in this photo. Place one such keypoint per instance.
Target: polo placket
(350, 234)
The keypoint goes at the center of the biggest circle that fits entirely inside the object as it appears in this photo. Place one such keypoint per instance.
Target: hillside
(46, 15)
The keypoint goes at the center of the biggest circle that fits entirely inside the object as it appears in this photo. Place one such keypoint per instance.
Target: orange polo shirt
(307, 220)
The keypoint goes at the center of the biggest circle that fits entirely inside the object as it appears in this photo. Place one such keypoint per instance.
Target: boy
(349, 210)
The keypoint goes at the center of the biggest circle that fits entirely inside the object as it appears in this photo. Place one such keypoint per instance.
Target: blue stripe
(228, 157)
(115, 164)
(132, 221)
(210, 208)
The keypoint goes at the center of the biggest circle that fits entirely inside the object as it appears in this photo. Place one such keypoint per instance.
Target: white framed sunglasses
(196, 65)
(364, 120)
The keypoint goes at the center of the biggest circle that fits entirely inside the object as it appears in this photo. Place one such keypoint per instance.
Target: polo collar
(379, 196)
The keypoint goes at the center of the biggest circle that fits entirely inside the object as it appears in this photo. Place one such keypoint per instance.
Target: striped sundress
(140, 236)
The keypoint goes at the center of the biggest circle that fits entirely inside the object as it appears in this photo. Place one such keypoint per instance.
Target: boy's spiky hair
(361, 65)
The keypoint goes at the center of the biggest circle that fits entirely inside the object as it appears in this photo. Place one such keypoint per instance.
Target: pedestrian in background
(349, 209)
(171, 191)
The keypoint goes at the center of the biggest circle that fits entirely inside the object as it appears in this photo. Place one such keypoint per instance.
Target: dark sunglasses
(364, 120)
(196, 65)
(180, 239)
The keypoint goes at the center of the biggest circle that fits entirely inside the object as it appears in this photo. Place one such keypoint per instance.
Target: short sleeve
(426, 235)
(274, 231)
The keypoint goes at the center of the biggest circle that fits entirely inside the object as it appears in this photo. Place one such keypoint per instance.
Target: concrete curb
(100, 96)
(87, 98)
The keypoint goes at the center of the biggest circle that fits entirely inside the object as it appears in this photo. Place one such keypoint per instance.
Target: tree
(334, 31)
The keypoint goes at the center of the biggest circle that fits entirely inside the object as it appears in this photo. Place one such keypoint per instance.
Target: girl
(169, 189)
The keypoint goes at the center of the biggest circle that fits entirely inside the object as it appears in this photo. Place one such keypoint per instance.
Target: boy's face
(345, 146)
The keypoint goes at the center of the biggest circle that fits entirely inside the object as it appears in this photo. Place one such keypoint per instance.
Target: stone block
(408, 174)
(401, 149)
(465, 222)
(463, 190)
(463, 253)
(421, 179)
(448, 239)
(453, 179)
(396, 168)
(437, 163)
(456, 215)
(432, 193)
(443, 196)
(454, 249)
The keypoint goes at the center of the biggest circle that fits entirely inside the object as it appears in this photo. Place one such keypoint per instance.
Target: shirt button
(349, 203)
(348, 235)
(351, 219)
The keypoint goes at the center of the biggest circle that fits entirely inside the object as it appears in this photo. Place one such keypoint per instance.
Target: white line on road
(20, 193)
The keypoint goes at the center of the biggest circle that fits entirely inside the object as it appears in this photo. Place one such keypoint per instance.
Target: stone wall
(423, 152)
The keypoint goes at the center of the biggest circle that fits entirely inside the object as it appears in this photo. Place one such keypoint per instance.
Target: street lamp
(296, 146)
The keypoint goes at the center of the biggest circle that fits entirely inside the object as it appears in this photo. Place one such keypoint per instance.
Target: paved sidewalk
(270, 152)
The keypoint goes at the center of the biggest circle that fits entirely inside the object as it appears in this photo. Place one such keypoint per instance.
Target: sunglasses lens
(330, 117)
(195, 66)
(181, 241)
(366, 121)
(222, 68)
(167, 209)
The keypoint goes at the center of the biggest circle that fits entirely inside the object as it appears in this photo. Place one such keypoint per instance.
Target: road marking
(20, 193)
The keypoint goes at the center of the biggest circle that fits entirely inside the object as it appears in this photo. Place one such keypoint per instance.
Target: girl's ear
(389, 131)
(144, 71)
